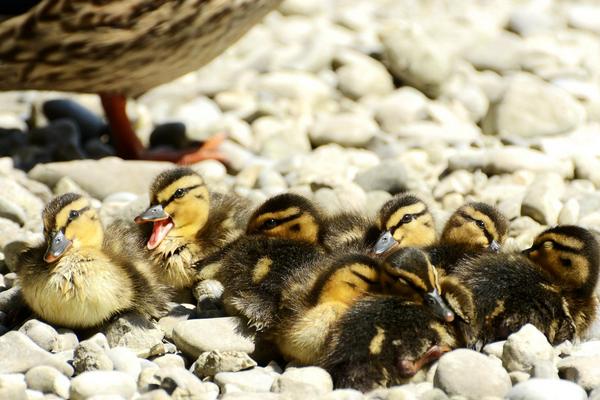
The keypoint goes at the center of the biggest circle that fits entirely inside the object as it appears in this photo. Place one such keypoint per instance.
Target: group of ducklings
(370, 300)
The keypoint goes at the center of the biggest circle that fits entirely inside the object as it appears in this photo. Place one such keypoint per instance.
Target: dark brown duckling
(83, 275)
(550, 285)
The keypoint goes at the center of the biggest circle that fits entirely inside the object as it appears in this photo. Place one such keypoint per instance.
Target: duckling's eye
(407, 218)
(73, 214)
(480, 224)
(429, 300)
(566, 262)
(179, 193)
(269, 224)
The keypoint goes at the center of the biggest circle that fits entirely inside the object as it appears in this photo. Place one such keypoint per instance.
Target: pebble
(462, 371)
(346, 129)
(569, 213)
(102, 383)
(342, 394)
(48, 380)
(223, 334)
(542, 198)
(532, 107)
(389, 176)
(125, 360)
(253, 380)
(169, 360)
(91, 356)
(310, 381)
(525, 348)
(546, 389)
(399, 108)
(484, 55)
(416, 58)
(41, 333)
(13, 387)
(181, 384)
(583, 370)
(175, 315)
(212, 362)
(494, 349)
(363, 76)
(135, 332)
(20, 354)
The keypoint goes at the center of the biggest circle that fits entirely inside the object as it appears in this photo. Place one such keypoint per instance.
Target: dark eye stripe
(557, 246)
(80, 211)
(400, 223)
(280, 221)
(487, 233)
(173, 197)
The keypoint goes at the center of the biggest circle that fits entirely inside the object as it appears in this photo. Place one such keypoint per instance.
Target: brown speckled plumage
(120, 46)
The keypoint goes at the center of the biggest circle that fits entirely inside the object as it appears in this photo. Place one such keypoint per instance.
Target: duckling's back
(510, 292)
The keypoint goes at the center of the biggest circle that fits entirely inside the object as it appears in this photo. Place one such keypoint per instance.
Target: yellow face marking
(346, 286)
(413, 278)
(183, 182)
(396, 217)
(85, 230)
(261, 269)
(417, 233)
(377, 341)
(278, 215)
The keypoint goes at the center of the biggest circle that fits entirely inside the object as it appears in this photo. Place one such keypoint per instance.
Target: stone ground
(347, 102)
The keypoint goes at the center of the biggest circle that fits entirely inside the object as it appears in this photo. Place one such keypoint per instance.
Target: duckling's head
(404, 221)
(70, 223)
(179, 206)
(413, 276)
(570, 255)
(476, 225)
(288, 216)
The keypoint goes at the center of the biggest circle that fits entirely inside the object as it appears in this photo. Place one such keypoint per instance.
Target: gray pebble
(311, 381)
(213, 362)
(389, 176)
(91, 356)
(20, 353)
(542, 199)
(346, 129)
(94, 383)
(48, 380)
(461, 372)
(253, 380)
(182, 384)
(135, 332)
(223, 334)
(546, 389)
(525, 348)
(42, 334)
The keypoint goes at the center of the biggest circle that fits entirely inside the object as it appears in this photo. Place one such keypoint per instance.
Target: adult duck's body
(119, 49)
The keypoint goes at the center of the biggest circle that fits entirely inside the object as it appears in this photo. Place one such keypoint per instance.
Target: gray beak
(384, 243)
(438, 306)
(57, 247)
(154, 213)
(494, 246)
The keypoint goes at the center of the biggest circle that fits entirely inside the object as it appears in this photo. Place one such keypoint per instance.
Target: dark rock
(170, 134)
(11, 140)
(90, 125)
(27, 157)
(97, 149)
(57, 134)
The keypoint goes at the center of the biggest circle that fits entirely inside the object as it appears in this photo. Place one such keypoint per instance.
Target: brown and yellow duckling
(408, 274)
(550, 285)
(403, 221)
(188, 224)
(79, 278)
(382, 340)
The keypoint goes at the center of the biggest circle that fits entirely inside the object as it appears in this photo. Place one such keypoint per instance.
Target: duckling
(383, 340)
(78, 279)
(407, 274)
(188, 224)
(403, 221)
(550, 285)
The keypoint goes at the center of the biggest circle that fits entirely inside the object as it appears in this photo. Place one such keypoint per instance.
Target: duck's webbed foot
(409, 368)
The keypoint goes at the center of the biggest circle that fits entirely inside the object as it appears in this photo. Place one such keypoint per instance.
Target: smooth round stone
(94, 383)
(403, 106)
(364, 76)
(169, 134)
(525, 348)
(125, 360)
(253, 380)
(48, 380)
(389, 176)
(313, 380)
(542, 199)
(342, 394)
(170, 360)
(546, 389)
(213, 362)
(20, 353)
(41, 333)
(346, 129)
(135, 332)
(96, 149)
(462, 371)
(583, 370)
(12, 386)
(194, 337)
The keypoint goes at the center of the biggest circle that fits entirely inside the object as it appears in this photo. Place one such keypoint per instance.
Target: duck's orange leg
(409, 368)
(128, 145)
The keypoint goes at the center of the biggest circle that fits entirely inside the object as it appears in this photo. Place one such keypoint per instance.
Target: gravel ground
(347, 102)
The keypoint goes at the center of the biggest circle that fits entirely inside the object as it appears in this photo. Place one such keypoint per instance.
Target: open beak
(384, 243)
(494, 246)
(153, 213)
(438, 306)
(57, 247)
